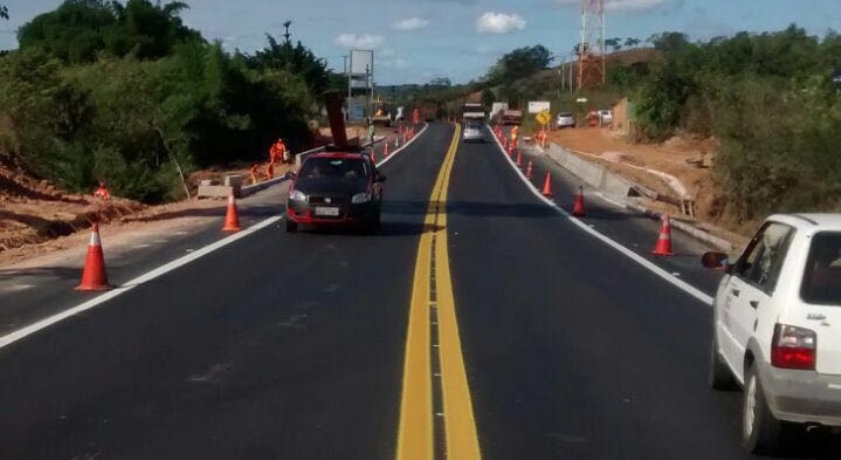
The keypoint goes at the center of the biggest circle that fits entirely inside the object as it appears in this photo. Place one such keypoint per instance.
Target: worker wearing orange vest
(278, 152)
(270, 171)
(515, 132)
(254, 178)
(541, 138)
(102, 193)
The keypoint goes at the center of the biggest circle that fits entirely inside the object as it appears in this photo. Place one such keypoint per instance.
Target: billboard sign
(360, 61)
(357, 110)
(539, 106)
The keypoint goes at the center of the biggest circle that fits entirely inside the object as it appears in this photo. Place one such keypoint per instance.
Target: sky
(415, 41)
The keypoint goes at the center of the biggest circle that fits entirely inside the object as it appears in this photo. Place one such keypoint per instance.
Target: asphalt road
(294, 346)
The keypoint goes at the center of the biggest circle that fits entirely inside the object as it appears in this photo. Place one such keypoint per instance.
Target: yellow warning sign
(543, 117)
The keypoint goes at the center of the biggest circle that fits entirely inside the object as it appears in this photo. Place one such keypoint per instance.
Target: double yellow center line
(434, 364)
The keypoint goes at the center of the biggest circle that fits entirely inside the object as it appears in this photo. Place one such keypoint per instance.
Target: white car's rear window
(822, 277)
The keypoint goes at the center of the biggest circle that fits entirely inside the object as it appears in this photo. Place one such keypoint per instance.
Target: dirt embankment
(689, 160)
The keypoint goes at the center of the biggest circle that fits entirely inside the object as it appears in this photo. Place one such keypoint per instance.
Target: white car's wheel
(762, 433)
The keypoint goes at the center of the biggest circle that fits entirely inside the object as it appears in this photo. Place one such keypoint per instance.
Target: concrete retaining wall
(592, 174)
(613, 185)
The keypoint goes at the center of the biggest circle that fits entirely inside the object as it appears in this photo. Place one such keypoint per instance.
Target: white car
(605, 117)
(565, 120)
(473, 133)
(777, 328)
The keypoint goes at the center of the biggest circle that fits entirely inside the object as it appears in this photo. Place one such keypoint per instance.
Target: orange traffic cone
(578, 207)
(232, 218)
(373, 154)
(664, 241)
(94, 277)
(385, 151)
(519, 158)
(529, 172)
(547, 185)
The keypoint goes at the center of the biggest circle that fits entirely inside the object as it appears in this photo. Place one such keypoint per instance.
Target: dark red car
(335, 188)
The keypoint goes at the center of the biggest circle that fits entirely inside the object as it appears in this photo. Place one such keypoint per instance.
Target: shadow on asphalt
(471, 208)
(50, 272)
(387, 228)
(242, 211)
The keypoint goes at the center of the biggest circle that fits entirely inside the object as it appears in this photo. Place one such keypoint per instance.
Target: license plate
(327, 211)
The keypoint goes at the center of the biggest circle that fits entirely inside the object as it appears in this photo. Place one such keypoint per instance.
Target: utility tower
(287, 35)
(591, 61)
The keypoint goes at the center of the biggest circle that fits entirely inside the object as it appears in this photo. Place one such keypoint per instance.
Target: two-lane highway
(276, 346)
(479, 323)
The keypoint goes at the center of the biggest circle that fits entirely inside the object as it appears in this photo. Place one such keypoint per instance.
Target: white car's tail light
(793, 347)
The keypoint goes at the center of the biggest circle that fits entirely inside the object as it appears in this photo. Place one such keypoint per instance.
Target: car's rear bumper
(803, 396)
(349, 214)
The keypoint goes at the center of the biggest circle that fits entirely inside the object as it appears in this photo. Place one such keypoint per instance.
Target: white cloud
(620, 5)
(396, 63)
(387, 52)
(410, 24)
(499, 23)
(354, 41)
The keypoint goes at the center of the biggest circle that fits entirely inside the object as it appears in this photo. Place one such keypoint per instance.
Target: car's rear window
(347, 168)
(822, 277)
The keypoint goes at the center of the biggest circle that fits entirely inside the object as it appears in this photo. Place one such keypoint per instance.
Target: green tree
(631, 42)
(79, 30)
(488, 97)
(520, 63)
(615, 44)
(297, 60)
(4, 12)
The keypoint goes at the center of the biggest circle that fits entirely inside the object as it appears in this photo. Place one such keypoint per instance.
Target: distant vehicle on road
(512, 117)
(605, 116)
(777, 328)
(565, 120)
(335, 188)
(473, 132)
(381, 115)
(473, 112)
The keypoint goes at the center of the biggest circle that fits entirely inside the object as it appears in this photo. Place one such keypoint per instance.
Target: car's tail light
(793, 347)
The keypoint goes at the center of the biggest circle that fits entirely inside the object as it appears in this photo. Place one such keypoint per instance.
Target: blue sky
(417, 40)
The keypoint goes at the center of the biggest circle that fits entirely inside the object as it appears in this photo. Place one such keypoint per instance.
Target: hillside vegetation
(768, 99)
(100, 90)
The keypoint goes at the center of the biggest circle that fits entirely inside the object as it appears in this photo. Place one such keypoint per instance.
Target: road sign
(581, 100)
(543, 117)
(539, 106)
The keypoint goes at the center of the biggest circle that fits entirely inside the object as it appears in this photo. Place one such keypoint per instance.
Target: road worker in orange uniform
(270, 171)
(102, 193)
(278, 152)
(541, 138)
(515, 133)
(254, 172)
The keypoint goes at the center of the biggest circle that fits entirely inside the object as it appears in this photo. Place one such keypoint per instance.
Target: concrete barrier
(614, 185)
(592, 174)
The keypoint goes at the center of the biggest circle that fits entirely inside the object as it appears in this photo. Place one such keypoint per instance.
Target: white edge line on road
(40, 325)
(679, 283)
(129, 285)
(400, 149)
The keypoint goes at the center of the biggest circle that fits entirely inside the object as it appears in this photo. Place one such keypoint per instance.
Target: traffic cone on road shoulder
(232, 217)
(519, 157)
(578, 207)
(664, 240)
(529, 171)
(547, 185)
(94, 277)
(385, 152)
